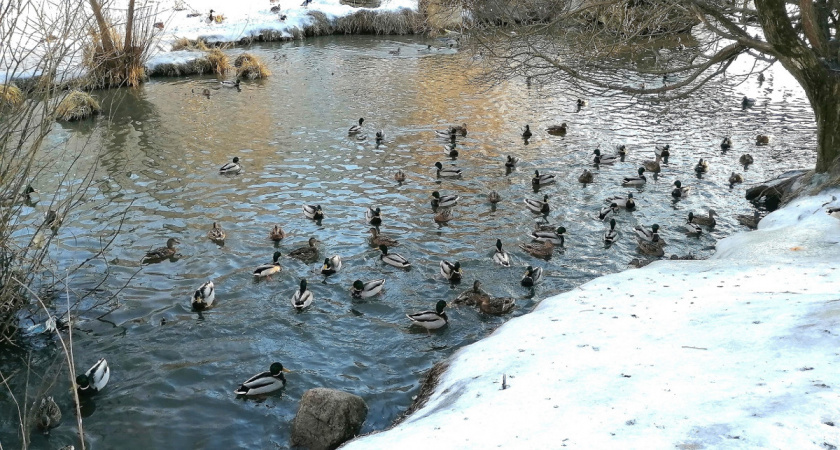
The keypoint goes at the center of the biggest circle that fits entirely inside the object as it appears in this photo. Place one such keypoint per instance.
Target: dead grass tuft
(77, 105)
(250, 67)
(404, 21)
(219, 61)
(10, 96)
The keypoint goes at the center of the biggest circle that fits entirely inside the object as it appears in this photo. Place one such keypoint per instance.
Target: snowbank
(739, 351)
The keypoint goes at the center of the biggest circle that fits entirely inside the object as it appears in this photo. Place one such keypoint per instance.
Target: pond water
(158, 152)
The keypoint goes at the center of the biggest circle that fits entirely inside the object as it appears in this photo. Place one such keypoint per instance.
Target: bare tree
(606, 45)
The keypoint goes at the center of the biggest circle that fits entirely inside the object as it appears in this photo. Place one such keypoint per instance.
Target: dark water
(158, 151)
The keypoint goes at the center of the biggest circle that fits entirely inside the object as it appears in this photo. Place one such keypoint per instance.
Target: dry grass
(404, 21)
(10, 96)
(250, 67)
(106, 70)
(320, 26)
(198, 66)
(219, 61)
(186, 44)
(77, 105)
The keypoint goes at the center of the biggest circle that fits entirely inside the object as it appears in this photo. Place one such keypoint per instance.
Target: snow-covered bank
(739, 351)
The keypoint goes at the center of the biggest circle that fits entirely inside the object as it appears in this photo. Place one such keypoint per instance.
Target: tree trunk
(129, 26)
(827, 113)
(105, 35)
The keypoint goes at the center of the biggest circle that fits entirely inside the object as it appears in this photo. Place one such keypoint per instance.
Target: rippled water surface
(158, 152)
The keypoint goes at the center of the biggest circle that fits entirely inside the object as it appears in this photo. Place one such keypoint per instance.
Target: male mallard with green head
(264, 382)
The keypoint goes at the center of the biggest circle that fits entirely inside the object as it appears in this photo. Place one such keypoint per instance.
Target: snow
(738, 351)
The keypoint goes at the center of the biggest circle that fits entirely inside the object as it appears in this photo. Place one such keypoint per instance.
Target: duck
(557, 130)
(540, 251)
(399, 176)
(313, 212)
(393, 259)
(380, 137)
(430, 320)
(230, 84)
(232, 167)
(586, 177)
(373, 216)
(472, 296)
(833, 212)
(653, 247)
(308, 254)
(159, 254)
(459, 129)
(451, 271)
(216, 233)
(643, 233)
(500, 256)
(555, 236)
(664, 151)
(580, 104)
(443, 215)
(531, 277)
(604, 159)
(762, 139)
(266, 270)
(680, 191)
(443, 201)
(395, 52)
(48, 415)
(702, 166)
(734, 179)
(448, 172)
(364, 290)
(448, 133)
(746, 159)
(526, 134)
(450, 150)
(611, 234)
(331, 265)
(204, 296)
(624, 202)
(703, 220)
(540, 180)
(761, 78)
(538, 207)
(264, 382)
(639, 180)
(95, 379)
(607, 210)
(361, 137)
(622, 151)
(276, 233)
(29, 195)
(356, 129)
(693, 228)
(726, 144)
(749, 220)
(377, 239)
(496, 305)
(494, 197)
(302, 297)
(747, 102)
(511, 161)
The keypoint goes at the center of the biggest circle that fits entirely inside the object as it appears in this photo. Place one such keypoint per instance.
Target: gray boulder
(326, 418)
(362, 3)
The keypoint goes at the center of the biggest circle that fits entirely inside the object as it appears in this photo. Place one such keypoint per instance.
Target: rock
(775, 191)
(362, 3)
(326, 418)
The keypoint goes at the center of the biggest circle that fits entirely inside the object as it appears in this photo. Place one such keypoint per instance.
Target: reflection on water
(174, 370)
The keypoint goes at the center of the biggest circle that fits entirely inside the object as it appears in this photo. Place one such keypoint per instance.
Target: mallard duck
(230, 84)
(762, 139)
(496, 305)
(622, 151)
(473, 295)
(369, 289)
(443, 201)
(48, 415)
(538, 207)
(494, 197)
(377, 239)
(680, 190)
(611, 234)
(159, 254)
(216, 233)
(624, 202)
(95, 379)
(356, 129)
(664, 151)
(580, 104)
(53, 220)
(532, 276)
(331, 265)
(399, 176)
(557, 130)
(448, 133)
(746, 159)
(459, 129)
(231, 167)
(833, 212)
(308, 254)
(451, 271)
(540, 180)
(380, 137)
(450, 149)
(702, 166)
(693, 228)
(373, 216)
(726, 144)
(204, 296)
(390, 52)
(637, 180)
(607, 210)
(540, 251)
(430, 320)
(747, 102)
(313, 212)
(265, 382)
(448, 172)
(603, 159)
(526, 134)
(361, 137)
(500, 256)
(709, 220)
(443, 215)
(761, 78)
(749, 220)
(302, 297)
(511, 161)
(735, 178)
(276, 233)
(266, 270)
(645, 234)
(586, 177)
(555, 236)
(29, 195)
(393, 259)
(653, 247)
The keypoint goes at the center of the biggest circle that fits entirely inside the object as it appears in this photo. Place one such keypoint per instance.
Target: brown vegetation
(219, 61)
(77, 105)
(10, 97)
(250, 67)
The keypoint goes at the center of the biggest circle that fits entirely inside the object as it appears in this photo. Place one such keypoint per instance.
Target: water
(174, 370)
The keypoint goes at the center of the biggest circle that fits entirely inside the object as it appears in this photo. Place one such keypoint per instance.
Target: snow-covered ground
(739, 351)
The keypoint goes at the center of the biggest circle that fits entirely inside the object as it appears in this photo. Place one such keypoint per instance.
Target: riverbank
(737, 351)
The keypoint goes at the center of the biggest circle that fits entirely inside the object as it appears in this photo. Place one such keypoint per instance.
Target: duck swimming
(443, 200)
(532, 276)
(448, 172)
(276, 233)
(611, 234)
(635, 181)
(373, 216)
(267, 270)
(451, 271)
(356, 129)
(232, 167)
(624, 202)
(607, 210)
(746, 159)
(331, 265)
(726, 144)
(430, 320)
(734, 179)
(95, 379)
(540, 251)
(264, 382)
(216, 234)
(377, 239)
(557, 130)
(393, 259)
(308, 254)
(313, 212)
(540, 180)
(500, 256)
(586, 177)
(527, 133)
(709, 220)
(302, 297)
(653, 166)
(159, 254)
(555, 236)
(203, 296)
(365, 290)
(702, 166)
(538, 207)
(604, 159)
(680, 190)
